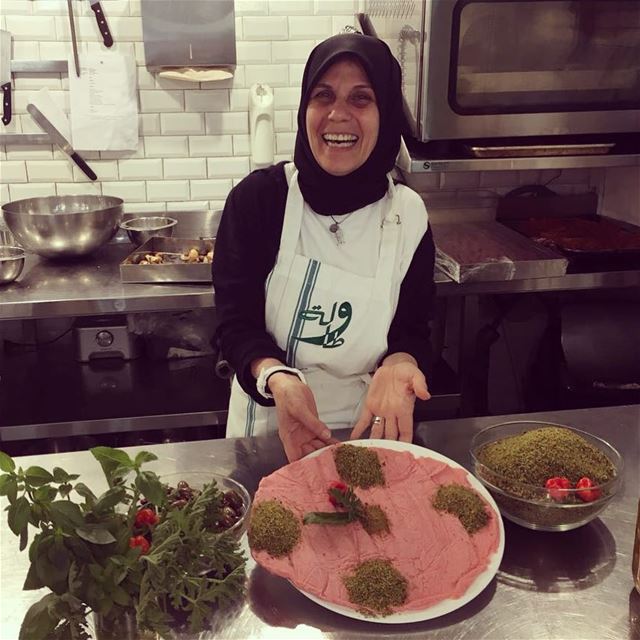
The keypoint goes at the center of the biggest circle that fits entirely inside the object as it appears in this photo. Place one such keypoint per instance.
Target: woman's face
(342, 118)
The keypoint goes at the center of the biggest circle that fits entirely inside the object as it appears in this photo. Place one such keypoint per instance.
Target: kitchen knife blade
(74, 41)
(101, 19)
(58, 139)
(5, 75)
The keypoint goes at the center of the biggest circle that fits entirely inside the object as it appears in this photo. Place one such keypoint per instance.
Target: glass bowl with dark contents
(235, 503)
(546, 476)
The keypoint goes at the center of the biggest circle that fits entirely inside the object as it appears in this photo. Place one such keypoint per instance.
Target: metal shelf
(415, 163)
(29, 67)
(113, 396)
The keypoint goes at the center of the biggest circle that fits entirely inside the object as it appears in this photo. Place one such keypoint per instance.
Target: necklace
(335, 228)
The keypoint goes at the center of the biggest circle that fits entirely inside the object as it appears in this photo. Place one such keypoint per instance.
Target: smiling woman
(342, 118)
(323, 266)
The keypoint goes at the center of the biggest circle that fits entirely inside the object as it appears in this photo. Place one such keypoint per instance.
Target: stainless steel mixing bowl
(63, 226)
(140, 230)
(11, 263)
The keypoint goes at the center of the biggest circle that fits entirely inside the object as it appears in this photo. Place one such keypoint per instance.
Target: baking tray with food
(587, 241)
(169, 260)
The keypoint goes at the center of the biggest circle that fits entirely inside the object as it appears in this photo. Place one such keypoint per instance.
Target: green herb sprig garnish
(371, 516)
(347, 500)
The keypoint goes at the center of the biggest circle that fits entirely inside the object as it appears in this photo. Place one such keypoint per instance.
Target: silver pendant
(335, 229)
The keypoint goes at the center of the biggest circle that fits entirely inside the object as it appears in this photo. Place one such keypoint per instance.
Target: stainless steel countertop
(92, 286)
(556, 586)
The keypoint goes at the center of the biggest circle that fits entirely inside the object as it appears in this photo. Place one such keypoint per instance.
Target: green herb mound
(464, 503)
(358, 466)
(374, 520)
(375, 587)
(535, 456)
(273, 528)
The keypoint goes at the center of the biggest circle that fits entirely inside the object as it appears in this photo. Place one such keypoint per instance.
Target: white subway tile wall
(194, 138)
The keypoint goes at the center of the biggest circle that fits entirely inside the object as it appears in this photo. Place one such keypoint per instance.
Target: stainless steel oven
(486, 69)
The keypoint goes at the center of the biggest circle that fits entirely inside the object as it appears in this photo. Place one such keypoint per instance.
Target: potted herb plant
(124, 555)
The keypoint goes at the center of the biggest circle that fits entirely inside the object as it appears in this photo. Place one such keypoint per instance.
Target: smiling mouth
(340, 140)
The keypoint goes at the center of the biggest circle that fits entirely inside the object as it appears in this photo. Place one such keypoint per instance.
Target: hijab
(333, 195)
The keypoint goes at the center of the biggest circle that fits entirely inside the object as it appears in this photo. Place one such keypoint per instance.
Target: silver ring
(377, 420)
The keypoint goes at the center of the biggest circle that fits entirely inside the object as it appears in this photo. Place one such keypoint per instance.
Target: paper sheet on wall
(104, 104)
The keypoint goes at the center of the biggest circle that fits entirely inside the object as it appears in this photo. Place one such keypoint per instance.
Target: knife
(74, 41)
(101, 19)
(5, 75)
(60, 140)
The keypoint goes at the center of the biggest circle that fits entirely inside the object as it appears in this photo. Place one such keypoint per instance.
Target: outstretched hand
(299, 428)
(392, 396)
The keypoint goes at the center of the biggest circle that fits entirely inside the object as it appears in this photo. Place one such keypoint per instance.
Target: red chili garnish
(338, 486)
(146, 516)
(557, 487)
(587, 493)
(139, 541)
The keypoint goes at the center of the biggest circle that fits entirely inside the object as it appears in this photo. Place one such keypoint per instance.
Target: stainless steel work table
(92, 286)
(556, 586)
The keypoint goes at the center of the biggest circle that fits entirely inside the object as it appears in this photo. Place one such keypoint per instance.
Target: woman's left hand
(391, 396)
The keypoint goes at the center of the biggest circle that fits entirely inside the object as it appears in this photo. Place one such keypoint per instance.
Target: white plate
(445, 606)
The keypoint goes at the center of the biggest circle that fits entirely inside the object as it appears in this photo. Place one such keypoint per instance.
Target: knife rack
(33, 66)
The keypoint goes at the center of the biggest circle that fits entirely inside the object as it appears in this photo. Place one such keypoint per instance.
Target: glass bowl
(531, 505)
(197, 479)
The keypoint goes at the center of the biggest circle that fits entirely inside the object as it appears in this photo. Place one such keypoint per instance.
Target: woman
(323, 269)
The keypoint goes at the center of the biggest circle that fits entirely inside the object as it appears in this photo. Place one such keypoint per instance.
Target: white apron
(333, 324)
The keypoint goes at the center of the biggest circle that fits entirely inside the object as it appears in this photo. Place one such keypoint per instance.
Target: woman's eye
(323, 94)
(362, 98)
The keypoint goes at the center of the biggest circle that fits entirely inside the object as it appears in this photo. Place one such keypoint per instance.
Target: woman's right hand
(299, 428)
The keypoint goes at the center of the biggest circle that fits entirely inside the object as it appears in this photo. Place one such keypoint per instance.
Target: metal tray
(167, 272)
(489, 251)
(610, 258)
(520, 151)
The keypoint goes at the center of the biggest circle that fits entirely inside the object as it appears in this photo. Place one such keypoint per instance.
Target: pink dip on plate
(431, 549)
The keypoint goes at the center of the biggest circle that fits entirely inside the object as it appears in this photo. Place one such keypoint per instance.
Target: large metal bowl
(64, 226)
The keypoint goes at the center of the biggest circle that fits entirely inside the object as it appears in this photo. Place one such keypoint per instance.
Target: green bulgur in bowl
(515, 461)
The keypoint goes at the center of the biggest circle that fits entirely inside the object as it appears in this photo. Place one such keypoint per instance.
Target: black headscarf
(328, 194)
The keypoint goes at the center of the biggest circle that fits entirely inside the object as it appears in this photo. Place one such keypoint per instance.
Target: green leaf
(38, 476)
(45, 494)
(120, 596)
(151, 488)
(9, 488)
(6, 463)
(110, 459)
(33, 547)
(96, 572)
(60, 475)
(38, 622)
(84, 491)
(52, 572)
(18, 515)
(5, 479)
(78, 548)
(65, 489)
(66, 514)
(109, 499)
(24, 537)
(97, 534)
(32, 581)
(328, 517)
(144, 456)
